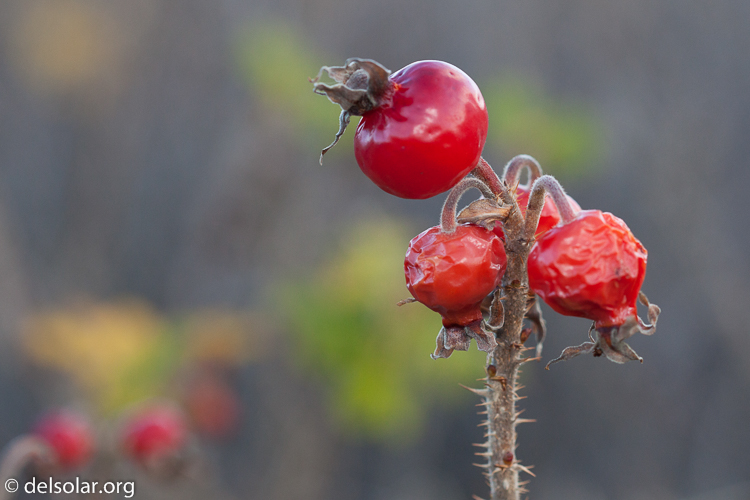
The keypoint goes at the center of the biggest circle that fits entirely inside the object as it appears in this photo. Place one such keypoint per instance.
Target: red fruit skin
(427, 135)
(592, 267)
(453, 273)
(153, 433)
(549, 217)
(69, 435)
(213, 407)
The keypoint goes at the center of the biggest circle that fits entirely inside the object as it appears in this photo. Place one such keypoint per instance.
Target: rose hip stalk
(550, 216)
(593, 267)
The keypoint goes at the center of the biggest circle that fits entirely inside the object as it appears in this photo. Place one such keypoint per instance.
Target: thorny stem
(448, 222)
(513, 169)
(546, 185)
(502, 467)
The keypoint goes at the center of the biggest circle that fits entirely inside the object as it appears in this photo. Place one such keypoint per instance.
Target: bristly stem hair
(500, 393)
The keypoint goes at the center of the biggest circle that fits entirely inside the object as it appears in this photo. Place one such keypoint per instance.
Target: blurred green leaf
(565, 136)
(277, 64)
(373, 355)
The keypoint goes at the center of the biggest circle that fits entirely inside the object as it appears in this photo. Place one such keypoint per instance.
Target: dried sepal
(496, 312)
(408, 300)
(458, 338)
(538, 325)
(484, 212)
(451, 338)
(619, 352)
(572, 352)
(359, 86)
(486, 340)
(653, 315)
(440, 350)
(610, 342)
(634, 324)
(344, 119)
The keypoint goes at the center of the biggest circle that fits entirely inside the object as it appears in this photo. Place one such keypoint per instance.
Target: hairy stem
(502, 467)
(484, 171)
(448, 222)
(546, 185)
(17, 455)
(513, 169)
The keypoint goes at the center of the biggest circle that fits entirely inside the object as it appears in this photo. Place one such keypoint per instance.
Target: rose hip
(69, 435)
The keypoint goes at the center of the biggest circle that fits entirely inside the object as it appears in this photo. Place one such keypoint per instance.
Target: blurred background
(167, 233)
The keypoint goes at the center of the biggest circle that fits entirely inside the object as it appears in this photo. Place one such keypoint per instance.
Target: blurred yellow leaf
(98, 345)
(123, 352)
(224, 337)
(61, 45)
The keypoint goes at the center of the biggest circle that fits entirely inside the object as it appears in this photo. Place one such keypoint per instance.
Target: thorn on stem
(480, 392)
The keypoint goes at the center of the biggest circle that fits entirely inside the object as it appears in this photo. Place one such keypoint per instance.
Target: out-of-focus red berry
(154, 433)
(452, 273)
(213, 406)
(69, 435)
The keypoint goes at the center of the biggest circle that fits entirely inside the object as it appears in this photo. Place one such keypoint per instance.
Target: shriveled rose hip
(452, 273)
(593, 267)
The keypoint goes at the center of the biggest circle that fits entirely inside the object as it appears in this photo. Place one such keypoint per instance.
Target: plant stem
(484, 171)
(513, 169)
(18, 454)
(448, 222)
(500, 394)
(547, 185)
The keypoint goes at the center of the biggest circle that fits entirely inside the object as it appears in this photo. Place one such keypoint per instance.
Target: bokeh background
(165, 225)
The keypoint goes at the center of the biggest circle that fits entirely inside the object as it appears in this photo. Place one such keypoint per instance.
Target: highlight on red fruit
(69, 435)
(423, 127)
(452, 273)
(154, 433)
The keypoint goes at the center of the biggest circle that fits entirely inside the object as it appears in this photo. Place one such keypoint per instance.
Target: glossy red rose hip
(422, 128)
(591, 267)
(452, 273)
(69, 435)
(426, 135)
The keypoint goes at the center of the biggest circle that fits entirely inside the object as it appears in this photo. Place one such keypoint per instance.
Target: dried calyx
(610, 341)
(361, 86)
(458, 337)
